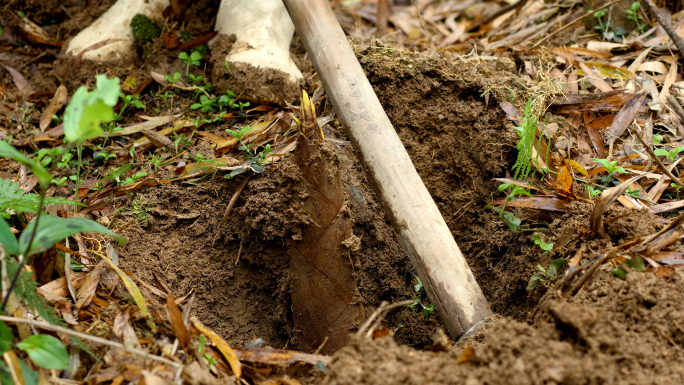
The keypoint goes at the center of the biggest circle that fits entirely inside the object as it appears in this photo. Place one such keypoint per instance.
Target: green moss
(143, 29)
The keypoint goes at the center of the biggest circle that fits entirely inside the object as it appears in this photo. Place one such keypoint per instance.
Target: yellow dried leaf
(606, 70)
(129, 83)
(222, 346)
(577, 167)
(130, 286)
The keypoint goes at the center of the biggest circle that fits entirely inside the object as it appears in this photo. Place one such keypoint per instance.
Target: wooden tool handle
(449, 283)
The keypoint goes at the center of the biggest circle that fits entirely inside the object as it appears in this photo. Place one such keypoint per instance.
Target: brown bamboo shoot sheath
(449, 283)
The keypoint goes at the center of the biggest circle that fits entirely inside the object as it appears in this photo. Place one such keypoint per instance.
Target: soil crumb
(614, 332)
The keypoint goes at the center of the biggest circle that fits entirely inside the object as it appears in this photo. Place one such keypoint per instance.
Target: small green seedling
(181, 140)
(192, 59)
(658, 139)
(45, 156)
(255, 161)
(129, 100)
(677, 188)
(134, 178)
(592, 191)
(546, 276)
(226, 100)
(671, 155)
(633, 14)
(156, 160)
(211, 361)
(61, 182)
(632, 193)
(173, 79)
(616, 34)
(64, 163)
(508, 217)
(242, 105)
(117, 173)
(536, 237)
(140, 211)
(636, 263)
(611, 167)
(206, 104)
(427, 310)
(196, 79)
(165, 95)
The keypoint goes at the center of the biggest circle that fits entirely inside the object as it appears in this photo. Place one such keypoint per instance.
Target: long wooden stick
(420, 227)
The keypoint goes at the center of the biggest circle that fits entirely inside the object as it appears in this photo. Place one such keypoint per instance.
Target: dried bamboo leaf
(624, 118)
(131, 286)
(177, 323)
(222, 346)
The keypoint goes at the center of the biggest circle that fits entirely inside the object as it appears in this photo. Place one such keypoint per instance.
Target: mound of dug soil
(240, 279)
(614, 332)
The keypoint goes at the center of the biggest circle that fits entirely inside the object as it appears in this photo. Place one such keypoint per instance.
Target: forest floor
(527, 126)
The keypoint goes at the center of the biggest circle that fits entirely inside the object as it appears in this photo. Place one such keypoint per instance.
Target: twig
(666, 26)
(379, 313)
(190, 88)
(583, 279)
(570, 24)
(677, 107)
(230, 205)
(382, 17)
(90, 338)
(660, 164)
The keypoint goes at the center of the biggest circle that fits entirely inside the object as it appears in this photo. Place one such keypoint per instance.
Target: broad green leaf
(53, 229)
(31, 377)
(5, 377)
(6, 338)
(7, 239)
(636, 263)
(46, 351)
(533, 283)
(107, 89)
(660, 152)
(618, 272)
(554, 266)
(87, 110)
(8, 151)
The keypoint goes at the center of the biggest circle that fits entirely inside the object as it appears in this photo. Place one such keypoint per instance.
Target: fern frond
(16, 199)
(527, 131)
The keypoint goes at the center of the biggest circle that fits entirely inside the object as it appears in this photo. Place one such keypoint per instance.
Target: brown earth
(613, 331)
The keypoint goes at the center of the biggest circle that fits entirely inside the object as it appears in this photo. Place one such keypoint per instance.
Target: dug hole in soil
(613, 331)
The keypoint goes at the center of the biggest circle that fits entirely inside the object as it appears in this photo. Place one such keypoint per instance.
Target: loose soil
(614, 331)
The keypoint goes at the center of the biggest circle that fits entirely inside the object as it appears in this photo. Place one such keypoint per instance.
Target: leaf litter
(610, 96)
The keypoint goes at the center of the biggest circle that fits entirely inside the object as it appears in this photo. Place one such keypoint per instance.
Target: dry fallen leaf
(222, 346)
(467, 355)
(177, 324)
(131, 286)
(55, 105)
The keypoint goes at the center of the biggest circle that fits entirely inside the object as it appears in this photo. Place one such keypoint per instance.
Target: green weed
(546, 276)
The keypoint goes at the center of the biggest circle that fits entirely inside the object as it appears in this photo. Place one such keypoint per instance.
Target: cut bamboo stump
(450, 285)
